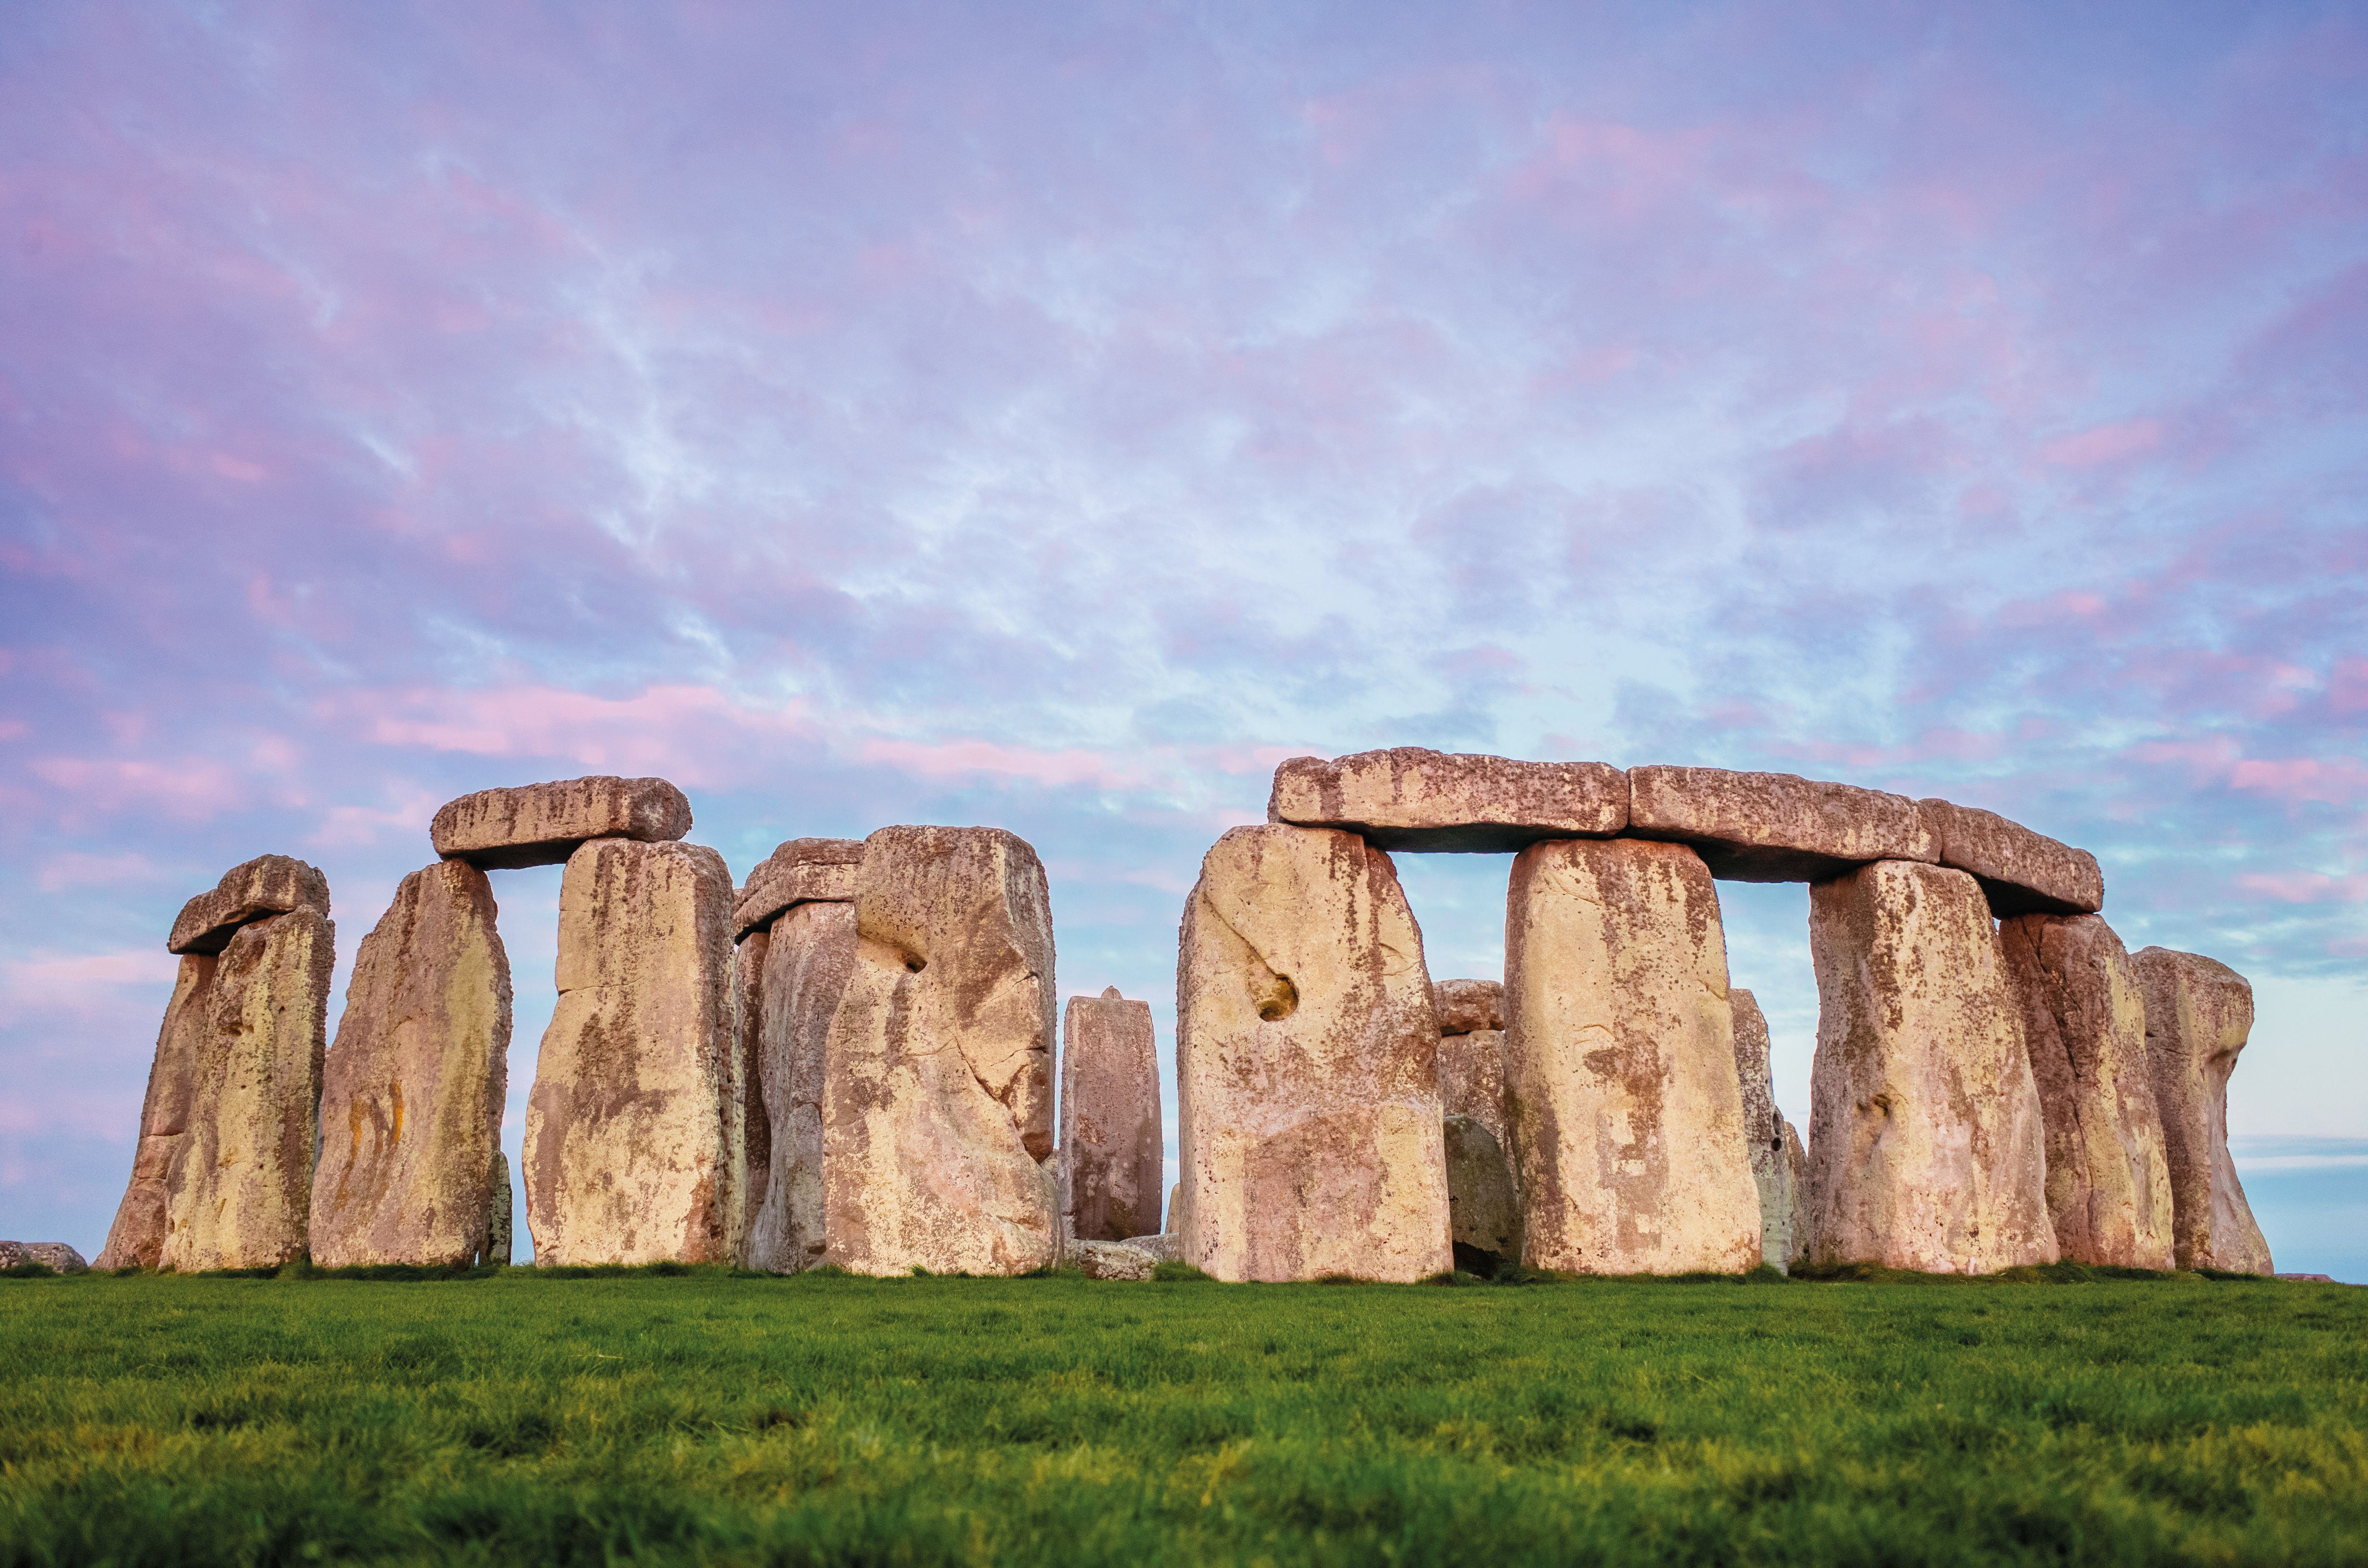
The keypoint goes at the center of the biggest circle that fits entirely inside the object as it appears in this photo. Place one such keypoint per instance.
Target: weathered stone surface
(1627, 1118)
(411, 1094)
(49, 1254)
(803, 870)
(266, 885)
(1417, 799)
(938, 1092)
(498, 1234)
(240, 1186)
(1472, 1057)
(2084, 1024)
(1774, 1146)
(1307, 1066)
(1927, 1148)
(633, 1152)
(1112, 1260)
(809, 952)
(1110, 1159)
(544, 825)
(1483, 1207)
(1464, 1005)
(749, 1051)
(2199, 1013)
(136, 1240)
(1774, 827)
(2022, 872)
(1165, 1247)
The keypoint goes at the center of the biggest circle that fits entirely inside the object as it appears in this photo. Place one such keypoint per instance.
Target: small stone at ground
(1166, 1248)
(52, 1254)
(1112, 1260)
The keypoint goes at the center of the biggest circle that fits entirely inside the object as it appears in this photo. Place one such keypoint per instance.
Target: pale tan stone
(498, 1234)
(412, 1092)
(1111, 1151)
(1307, 1066)
(2199, 1013)
(1627, 1118)
(266, 885)
(1774, 827)
(749, 1051)
(136, 1240)
(1927, 1148)
(1775, 1147)
(1482, 1196)
(803, 870)
(1465, 1006)
(2021, 871)
(1414, 799)
(634, 1143)
(243, 1184)
(2085, 1024)
(544, 825)
(938, 1086)
(55, 1255)
(809, 956)
(1112, 1260)
(1165, 1247)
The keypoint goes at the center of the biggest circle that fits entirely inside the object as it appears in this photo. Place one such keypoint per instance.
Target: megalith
(2084, 1023)
(1483, 1198)
(411, 1100)
(1926, 1146)
(497, 1211)
(1777, 1160)
(2199, 1013)
(632, 1150)
(937, 1104)
(136, 1240)
(544, 825)
(1415, 799)
(1775, 827)
(1308, 1078)
(1111, 1155)
(2021, 873)
(1627, 1115)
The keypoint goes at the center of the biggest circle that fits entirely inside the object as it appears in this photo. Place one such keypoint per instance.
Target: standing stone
(1927, 1148)
(1482, 1198)
(1111, 1147)
(809, 954)
(242, 1182)
(633, 1132)
(2199, 1013)
(136, 1240)
(1627, 1118)
(2084, 1021)
(1308, 1078)
(748, 1051)
(1775, 1147)
(937, 1087)
(411, 1101)
(497, 1211)
(544, 825)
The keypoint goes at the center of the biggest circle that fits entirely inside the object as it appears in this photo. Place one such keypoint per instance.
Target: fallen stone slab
(266, 885)
(1773, 1144)
(136, 1239)
(2199, 1014)
(1414, 799)
(2022, 872)
(1112, 1260)
(1165, 1247)
(57, 1255)
(803, 870)
(1112, 1154)
(1774, 827)
(544, 825)
(808, 954)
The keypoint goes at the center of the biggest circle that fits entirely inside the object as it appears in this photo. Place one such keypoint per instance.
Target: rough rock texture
(1774, 827)
(1472, 1050)
(1483, 1207)
(2021, 871)
(1307, 1066)
(1112, 1260)
(136, 1240)
(748, 1053)
(2199, 1013)
(809, 953)
(1927, 1148)
(240, 1186)
(2084, 1023)
(1464, 1005)
(1417, 799)
(802, 870)
(1627, 1118)
(1165, 1247)
(1775, 1147)
(938, 1092)
(49, 1254)
(1111, 1175)
(498, 1236)
(633, 1152)
(268, 884)
(411, 1098)
(543, 825)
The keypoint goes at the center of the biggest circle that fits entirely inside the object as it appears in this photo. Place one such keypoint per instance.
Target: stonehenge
(851, 1058)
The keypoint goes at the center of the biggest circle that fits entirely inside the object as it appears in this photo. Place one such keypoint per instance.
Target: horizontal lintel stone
(1417, 799)
(2022, 872)
(803, 870)
(1775, 827)
(542, 824)
(266, 885)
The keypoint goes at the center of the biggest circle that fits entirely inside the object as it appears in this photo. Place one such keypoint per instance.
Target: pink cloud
(62, 873)
(2306, 887)
(1059, 770)
(2339, 782)
(2105, 444)
(37, 978)
(188, 789)
(693, 734)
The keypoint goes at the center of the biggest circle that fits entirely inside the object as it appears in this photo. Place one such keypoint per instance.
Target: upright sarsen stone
(1307, 1066)
(136, 1240)
(937, 1104)
(633, 1132)
(2084, 1022)
(1627, 1116)
(1483, 1198)
(2199, 1013)
(1111, 1174)
(497, 1211)
(808, 954)
(1776, 1156)
(411, 1104)
(1927, 1147)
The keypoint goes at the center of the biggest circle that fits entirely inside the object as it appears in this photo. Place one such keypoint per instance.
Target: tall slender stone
(1111, 1155)
(938, 1088)
(749, 1051)
(1775, 1147)
(497, 1211)
(1627, 1115)
(2199, 1013)
(411, 1103)
(1927, 1147)
(632, 1151)
(809, 953)
(1307, 1066)
(136, 1240)
(1483, 1198)
(2084, 1022)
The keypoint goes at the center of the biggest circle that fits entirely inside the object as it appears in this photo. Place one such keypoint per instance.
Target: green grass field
(519, 1417)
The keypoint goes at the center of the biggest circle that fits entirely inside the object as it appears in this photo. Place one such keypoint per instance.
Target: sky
(1053, 416)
